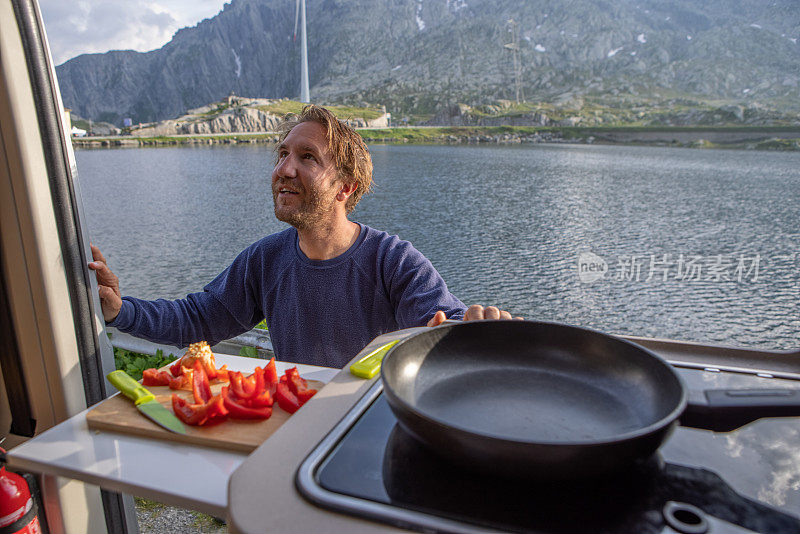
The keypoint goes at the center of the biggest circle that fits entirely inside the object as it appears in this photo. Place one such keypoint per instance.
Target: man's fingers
(106, 292)
(437, 319)
(491, 312)
(474, 313)
(104, 276)
(96, 254)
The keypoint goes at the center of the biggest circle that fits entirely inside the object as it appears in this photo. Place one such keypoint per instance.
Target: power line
(513, 46)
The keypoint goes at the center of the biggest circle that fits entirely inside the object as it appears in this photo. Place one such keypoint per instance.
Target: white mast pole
(304, 92)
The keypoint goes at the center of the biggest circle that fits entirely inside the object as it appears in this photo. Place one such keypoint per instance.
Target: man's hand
(108, 285)
(476, 312)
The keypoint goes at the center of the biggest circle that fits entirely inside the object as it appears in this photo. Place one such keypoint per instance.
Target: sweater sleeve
(227, 307)
(200, 316)
(416, 289)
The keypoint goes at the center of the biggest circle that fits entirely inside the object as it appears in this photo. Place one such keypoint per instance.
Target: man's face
(304, 184)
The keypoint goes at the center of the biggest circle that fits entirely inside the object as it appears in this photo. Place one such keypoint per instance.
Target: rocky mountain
(236, 114)
(421, 57)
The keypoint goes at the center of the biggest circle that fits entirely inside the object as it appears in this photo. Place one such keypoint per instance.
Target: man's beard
(313, 208)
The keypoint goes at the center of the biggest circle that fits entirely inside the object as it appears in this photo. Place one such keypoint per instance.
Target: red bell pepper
(222, 373)
(299, 386)
(210, 370)
(182, 382)
(239, 410)
(304, 395)
(247, 387)
(262, 399)
(238, 384)
(154, 377)
(175, 368)
(260, 381)
(200, 414)
(200, 387)
(286, 399)
(271, 376)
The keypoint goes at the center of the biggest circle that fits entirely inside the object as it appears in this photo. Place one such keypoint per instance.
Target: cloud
(90, 26)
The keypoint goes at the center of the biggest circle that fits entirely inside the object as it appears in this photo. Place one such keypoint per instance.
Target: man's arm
(419, 293)
(415, 288)
(200, 316)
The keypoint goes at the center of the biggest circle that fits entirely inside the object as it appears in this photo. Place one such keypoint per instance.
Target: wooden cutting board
(118, 414)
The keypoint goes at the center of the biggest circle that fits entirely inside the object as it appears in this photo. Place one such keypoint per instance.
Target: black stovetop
(369, 466)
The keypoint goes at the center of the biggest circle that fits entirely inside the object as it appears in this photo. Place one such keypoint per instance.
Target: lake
(688, 244)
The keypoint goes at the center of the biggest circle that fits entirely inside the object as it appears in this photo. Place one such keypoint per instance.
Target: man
(326, 286)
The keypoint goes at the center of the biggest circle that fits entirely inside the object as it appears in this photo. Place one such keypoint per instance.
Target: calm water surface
(697, 244)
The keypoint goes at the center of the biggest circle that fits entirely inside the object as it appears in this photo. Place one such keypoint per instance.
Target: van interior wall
(34, 273)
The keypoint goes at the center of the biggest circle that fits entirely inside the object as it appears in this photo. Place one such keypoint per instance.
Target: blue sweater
(318, 312)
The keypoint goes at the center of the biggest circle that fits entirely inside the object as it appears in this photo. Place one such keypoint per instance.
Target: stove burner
(685, 518)
(370, 466)
(623, 502)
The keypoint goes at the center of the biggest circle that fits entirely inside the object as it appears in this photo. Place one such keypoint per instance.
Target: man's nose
(286, 167)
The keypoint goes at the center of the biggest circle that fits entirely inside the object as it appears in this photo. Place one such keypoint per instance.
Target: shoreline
(722, 137)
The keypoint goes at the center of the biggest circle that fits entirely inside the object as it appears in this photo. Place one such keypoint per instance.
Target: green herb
(134, 363)
(262, 325)
(248, 352)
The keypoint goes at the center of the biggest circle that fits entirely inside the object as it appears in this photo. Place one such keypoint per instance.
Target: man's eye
(309, 156)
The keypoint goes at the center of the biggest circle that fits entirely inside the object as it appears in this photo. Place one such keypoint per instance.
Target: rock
(457, 58)
(570, 121)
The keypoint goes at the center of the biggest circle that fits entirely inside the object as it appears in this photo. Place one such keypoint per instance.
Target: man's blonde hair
(350, 153)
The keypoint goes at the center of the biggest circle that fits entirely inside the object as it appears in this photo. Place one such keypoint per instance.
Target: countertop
(262, 495)
(151, 468)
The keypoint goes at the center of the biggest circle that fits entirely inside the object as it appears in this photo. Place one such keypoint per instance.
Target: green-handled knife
(145, 401)
(369, 365)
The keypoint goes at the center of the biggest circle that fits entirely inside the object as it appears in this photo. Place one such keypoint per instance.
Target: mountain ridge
(421, 57)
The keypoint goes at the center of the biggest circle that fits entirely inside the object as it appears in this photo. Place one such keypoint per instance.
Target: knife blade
(145, 401)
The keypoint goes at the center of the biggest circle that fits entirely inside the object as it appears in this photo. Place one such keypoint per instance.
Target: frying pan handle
(723, 410)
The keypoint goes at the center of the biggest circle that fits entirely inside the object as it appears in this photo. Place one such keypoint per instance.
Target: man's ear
(346, 189)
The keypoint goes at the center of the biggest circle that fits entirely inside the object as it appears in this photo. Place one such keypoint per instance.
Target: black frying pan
(526, 398)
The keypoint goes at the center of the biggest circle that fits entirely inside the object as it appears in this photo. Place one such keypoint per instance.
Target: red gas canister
(18, 511)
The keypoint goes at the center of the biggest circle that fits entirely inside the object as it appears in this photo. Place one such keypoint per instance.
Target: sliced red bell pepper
(184, 381)
(210, 370)
(271, 376)
(200, 414)
(236, 386)
(286, 399)
(222, 373)
(260, 382)
(217, 413)
(175, 368)
(200, 387)
(238, 410)
(291, 376)
(295, 382)
(246, 387)
(299, 386)
(249, 385)
(303, 395)
(154, 377)
(262, 399)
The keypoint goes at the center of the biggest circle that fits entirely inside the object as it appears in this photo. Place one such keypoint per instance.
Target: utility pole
(300, 11)
(513, 28)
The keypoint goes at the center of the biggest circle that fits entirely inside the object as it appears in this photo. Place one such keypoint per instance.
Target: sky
(88, 26)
